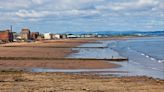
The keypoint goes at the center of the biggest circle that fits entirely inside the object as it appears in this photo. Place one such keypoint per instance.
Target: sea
(145, 54)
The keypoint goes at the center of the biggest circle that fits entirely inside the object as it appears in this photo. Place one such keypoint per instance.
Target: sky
(60, 16)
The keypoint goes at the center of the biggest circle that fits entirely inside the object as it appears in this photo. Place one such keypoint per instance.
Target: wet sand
(59, 82)
(58, 64)
(49, 53)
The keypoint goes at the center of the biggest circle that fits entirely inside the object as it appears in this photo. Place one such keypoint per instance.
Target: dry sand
(58, 82)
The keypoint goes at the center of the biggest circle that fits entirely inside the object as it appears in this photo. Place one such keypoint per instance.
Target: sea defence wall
(42, 58)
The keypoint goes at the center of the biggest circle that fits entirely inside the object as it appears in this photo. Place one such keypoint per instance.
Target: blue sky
(59, 16)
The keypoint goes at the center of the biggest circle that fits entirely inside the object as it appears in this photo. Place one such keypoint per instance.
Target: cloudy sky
(82, 15)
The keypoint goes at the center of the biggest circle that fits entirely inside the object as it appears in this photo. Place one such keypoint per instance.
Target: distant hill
(151, 33)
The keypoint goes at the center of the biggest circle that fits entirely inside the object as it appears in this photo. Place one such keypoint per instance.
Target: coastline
(14, 75)
(49, 52)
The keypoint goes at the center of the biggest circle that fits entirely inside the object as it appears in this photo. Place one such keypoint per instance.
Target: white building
(47, 36)
(71, 36)
(56, 36)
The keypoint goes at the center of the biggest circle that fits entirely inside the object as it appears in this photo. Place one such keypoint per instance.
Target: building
(71, 36)
(48, 36)
(90, 35)
(56, 36)
(15, 35)
(25, 34)
(6, 36)
(34, 35)
(40, 38)
(63, 36)
(99, 36)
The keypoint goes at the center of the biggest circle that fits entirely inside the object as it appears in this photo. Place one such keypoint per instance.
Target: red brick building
(6, 36)
(34, 35)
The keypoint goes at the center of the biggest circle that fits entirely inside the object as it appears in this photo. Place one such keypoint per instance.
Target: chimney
(11, 28)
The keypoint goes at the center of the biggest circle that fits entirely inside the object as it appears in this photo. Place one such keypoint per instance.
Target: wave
(153, 68)
(160, 61)
(156, 69)
(152, 58)
(147, 56)
(136, 63)
(142, 54)
(128, 48)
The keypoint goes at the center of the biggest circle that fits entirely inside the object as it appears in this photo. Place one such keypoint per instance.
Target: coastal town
(81, 46)
(35, 62)
(26, 35)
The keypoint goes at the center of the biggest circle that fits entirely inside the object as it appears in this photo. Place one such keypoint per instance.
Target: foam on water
(146, 56)
(146, 53)
(142, 54)
(152, 58)
(161, 61)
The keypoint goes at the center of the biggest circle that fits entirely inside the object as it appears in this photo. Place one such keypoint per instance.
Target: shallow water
(145, 55)
(100, 53)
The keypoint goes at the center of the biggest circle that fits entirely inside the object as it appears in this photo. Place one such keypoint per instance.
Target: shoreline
(49, 53)
(19, 79)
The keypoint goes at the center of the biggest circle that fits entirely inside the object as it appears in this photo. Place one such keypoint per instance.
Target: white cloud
(60, 4)
(80, 12)
(15, 4)
(9, 17)
(32, 13)
(132, 5)
(66, 13)
(147, 2)
(114, 10)
(12, 4)
(38, 1)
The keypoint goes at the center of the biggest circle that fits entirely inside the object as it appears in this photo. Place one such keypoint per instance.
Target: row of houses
(27, 35)
(49, 36)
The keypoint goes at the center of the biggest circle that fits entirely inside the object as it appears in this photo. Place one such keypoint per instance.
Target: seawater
(146, 55)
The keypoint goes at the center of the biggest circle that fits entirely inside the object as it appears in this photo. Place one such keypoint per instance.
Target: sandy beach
(36, 51)
(59, 82)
